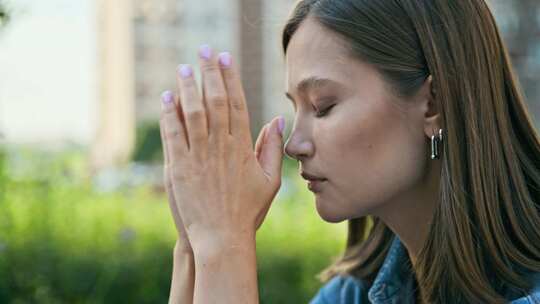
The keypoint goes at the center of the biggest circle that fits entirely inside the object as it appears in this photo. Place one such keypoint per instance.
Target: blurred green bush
(147, 143)
(4, 16)
(61, 241)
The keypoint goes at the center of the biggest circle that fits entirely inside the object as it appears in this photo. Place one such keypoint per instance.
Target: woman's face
(371, 146)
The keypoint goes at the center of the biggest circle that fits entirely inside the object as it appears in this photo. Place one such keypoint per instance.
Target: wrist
(228, 267)
(212, 247)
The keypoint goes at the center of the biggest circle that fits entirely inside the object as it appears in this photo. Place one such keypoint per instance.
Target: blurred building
(115, 135)
(166, 33)
(163, 34)
(170, 32)
(102, 65)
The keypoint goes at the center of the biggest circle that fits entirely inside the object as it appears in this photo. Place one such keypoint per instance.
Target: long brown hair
(485, 234)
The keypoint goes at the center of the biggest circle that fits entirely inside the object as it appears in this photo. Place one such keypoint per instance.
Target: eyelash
(324, 112)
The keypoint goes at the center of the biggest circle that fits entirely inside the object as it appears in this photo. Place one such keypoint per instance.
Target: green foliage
(3, 177)
(61, 241)
(4, 16)
(148, 143)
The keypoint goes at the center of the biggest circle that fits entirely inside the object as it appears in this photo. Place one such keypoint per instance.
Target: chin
(328, 215)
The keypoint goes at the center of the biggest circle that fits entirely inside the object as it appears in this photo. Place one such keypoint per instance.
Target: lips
(311, 177)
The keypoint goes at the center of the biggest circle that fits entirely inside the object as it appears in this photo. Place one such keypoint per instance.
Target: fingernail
(167, 99)
(225, 59)
(205, 51)
(281, 125)
(185, 70)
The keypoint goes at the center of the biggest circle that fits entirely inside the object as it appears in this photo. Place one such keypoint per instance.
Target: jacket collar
(395, 280)
(396, 283)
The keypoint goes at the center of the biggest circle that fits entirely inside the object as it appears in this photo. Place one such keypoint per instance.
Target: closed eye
(324, 112)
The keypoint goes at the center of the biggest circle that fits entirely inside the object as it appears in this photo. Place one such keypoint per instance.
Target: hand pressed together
(220, 186)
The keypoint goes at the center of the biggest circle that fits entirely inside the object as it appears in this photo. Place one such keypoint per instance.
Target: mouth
(311, 177)
(315, 186)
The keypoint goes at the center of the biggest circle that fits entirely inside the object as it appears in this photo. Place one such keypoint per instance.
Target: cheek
(375, 158)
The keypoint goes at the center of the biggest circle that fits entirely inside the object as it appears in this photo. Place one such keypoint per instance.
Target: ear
(430, 107)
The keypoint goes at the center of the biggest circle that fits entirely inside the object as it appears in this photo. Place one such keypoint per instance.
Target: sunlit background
(83, 213)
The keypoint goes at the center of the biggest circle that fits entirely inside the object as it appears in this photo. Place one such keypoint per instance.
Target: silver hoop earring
(435, 144)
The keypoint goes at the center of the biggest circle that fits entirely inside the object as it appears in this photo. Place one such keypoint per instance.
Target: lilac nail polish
(205, 51)
(167, 97)
(185, 70)
(225, 59)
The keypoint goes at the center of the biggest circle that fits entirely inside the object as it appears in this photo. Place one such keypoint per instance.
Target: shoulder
(342, 290)
(534, 295)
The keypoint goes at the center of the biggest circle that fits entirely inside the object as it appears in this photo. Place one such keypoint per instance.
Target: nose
(299, 146)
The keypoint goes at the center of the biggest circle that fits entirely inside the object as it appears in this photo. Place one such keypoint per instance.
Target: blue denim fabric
(394, 283)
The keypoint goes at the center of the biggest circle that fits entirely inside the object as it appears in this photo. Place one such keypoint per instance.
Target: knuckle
(195, 114)
(209, 68)
(229, 74)
(237, 105)
(189, 83)
(217, 100)
(171, 133)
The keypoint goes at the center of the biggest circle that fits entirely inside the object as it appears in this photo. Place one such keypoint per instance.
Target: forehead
(315, 51)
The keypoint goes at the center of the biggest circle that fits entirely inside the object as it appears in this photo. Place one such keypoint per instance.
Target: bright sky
(48, 89)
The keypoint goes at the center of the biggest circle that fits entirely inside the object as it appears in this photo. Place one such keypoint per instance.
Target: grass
(61, 241)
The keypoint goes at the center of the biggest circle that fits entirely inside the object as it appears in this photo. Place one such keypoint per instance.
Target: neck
(409, 214)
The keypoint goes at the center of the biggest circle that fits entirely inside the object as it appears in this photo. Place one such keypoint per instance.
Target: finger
(180, 114)
(214, 94)
(167, 181)
(260, 141)
(239, 116)
(193, 109)
(175, 211)
(173, 130)
(179, 110)
(170, 197)
(163, 143)
(162, 128)
(271, 157)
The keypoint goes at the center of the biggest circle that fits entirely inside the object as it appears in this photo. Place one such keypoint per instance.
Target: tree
(3, 15)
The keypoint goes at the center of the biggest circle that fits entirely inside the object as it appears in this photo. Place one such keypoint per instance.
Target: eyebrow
(309, 84)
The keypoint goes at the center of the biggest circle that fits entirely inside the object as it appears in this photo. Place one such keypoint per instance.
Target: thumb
(272, 151)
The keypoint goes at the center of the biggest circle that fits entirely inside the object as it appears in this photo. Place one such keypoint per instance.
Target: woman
(409, 122)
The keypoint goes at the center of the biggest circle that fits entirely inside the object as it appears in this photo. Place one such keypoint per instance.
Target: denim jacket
(394, 283)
